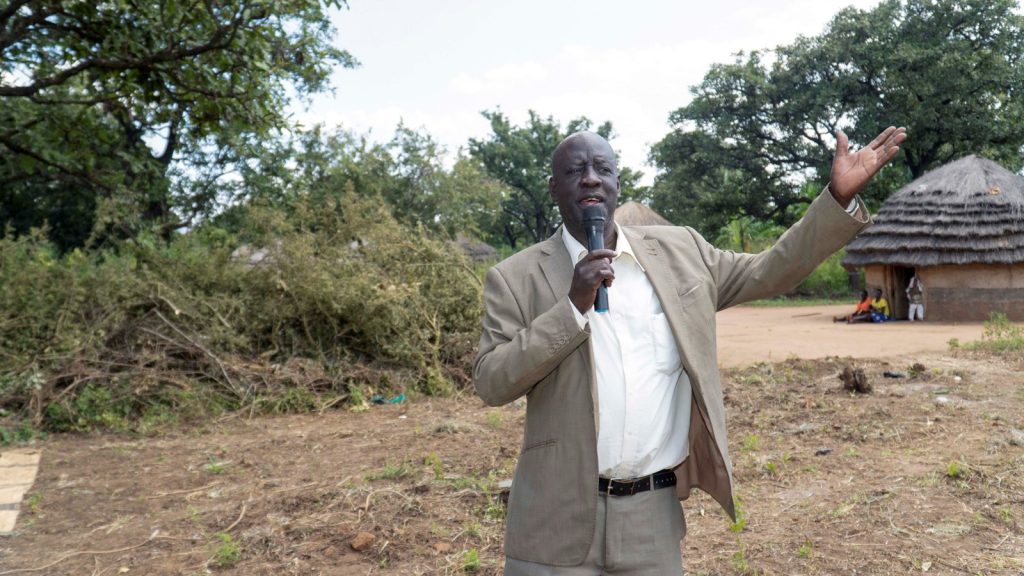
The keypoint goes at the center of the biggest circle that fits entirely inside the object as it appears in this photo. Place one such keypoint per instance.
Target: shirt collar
(577, 251)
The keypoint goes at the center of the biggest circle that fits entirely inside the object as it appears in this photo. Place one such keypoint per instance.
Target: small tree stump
(854, 380)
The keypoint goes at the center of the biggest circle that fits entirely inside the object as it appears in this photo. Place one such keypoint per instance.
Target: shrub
(829, 279)
(149, 331)
(1000, 336)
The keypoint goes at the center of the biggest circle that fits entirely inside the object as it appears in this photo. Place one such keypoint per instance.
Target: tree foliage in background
(407, 173)
(760, 129)
(520, 157)
(120, 116)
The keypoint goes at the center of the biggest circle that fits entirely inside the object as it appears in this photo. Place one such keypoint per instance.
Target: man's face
(584, 173)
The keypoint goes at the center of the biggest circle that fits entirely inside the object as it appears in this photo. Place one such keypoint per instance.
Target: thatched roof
(636, 214)
(475, 249)
(970, 211)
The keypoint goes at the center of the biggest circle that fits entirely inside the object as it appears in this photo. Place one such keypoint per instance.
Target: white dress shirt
(644, 405)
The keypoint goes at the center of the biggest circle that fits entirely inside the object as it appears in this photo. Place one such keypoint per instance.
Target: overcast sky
(435, 65)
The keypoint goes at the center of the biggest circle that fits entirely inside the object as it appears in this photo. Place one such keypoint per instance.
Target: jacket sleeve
(824, 229)
(516, 352)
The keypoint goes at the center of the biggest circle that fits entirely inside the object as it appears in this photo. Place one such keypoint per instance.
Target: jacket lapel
(556, 266)
(669, 285)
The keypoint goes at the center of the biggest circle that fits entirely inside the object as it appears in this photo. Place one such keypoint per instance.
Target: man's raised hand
(851, 172)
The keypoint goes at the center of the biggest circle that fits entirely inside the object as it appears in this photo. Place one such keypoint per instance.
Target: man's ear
(551, 188)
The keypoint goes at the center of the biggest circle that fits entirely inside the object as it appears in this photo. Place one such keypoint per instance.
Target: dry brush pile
(343, 303)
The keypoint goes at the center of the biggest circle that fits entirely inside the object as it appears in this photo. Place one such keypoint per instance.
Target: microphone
(593, 222)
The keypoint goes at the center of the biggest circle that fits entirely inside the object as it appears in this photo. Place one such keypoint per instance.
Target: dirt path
(923, 475)
(749, 334)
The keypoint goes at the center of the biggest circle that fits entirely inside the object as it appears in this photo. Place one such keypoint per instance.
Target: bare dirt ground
(749, 334)
(925, 474)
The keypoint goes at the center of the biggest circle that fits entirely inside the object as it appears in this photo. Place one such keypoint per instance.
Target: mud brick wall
(971, 293)
(967, 293)
(973, 304)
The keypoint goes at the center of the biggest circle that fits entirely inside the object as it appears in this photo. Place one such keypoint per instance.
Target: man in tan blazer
(624, 404)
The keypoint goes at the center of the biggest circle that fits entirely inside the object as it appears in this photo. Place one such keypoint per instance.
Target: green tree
(520, 157)
(758, 130)
(408, 173)
(119, 116)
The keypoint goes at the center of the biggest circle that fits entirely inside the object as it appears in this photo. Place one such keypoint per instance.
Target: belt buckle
(632, 484)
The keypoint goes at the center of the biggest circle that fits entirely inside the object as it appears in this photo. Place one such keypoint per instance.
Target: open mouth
(591, 200)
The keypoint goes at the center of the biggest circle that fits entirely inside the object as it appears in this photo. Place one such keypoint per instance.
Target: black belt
(628, 487)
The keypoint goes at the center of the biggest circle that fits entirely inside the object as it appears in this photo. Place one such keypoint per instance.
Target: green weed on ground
(1000, 336)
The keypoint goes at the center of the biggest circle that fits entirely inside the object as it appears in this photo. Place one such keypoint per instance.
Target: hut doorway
(896, 280)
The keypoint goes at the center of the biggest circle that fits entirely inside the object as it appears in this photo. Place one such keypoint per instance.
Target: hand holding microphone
(594, 272)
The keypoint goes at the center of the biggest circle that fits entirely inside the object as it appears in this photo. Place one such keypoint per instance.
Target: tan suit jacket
(532, 345)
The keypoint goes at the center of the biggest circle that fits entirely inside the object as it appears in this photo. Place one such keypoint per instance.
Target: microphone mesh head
(594, 213)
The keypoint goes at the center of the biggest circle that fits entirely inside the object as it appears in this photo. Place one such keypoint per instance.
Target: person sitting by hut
(879, 307)
(915, 294)
(861, 314)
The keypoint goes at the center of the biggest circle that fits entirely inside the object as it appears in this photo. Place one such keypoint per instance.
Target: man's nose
(590, 177)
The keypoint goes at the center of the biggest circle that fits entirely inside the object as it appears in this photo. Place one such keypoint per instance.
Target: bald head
(593, 139)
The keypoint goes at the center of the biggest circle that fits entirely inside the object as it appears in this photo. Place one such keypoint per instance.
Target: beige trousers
(634, 536)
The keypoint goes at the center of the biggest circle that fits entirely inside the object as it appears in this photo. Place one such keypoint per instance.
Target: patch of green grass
(751, 443)
(930, 481)
(390, 471)
(1006, 515)
(471, 483)
(1000, 336)
(434, 461)
(33, 501)
(470, 560)
(956, 470)
(740, 523)
(293, 401)
(842, 510)
(215, 466)
(739, 559)
(494, 511)
(805, 550)
(494, 420)
(228, 552)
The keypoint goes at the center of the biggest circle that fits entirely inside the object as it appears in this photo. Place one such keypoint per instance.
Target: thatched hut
(636, 214)
(476, 250)
(961, 228)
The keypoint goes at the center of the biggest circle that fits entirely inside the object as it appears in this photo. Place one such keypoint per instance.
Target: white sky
(437, 64)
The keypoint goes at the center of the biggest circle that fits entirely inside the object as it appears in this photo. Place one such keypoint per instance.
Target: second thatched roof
(970, 211)
(636, 214)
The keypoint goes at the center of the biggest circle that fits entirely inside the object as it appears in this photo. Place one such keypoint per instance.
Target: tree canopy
(120, 116)
(757, 138)
(407, 173)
